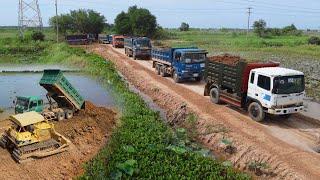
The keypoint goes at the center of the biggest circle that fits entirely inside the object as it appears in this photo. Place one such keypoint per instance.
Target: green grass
(237, 42)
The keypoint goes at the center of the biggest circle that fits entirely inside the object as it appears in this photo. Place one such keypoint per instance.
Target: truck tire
(215, 95)
(134, 56)
(162, 71)
(60, 116)
(256, 112)
(158, 69)
(176, 78)
(198, 79)
(69, 114)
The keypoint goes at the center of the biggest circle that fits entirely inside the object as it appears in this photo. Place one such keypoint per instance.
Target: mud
(251, 142)
(88, 131)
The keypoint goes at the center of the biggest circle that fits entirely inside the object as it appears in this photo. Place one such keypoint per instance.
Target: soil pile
(226, 59)
(88, 131)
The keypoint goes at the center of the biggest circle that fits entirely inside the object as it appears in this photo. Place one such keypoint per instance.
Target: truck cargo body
(138, 47)
(179, 63)
(255, 84)
(61, 90)
(118, 41)
(80, 39)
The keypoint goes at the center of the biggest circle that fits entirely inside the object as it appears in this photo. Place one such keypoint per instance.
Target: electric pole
(57, 21)
(249, 14)
(29, 15)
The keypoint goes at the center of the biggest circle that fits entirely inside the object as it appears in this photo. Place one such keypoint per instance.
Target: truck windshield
(120, 39)
(289, 84)
(194, 57)
(143, 43)
(23, 102)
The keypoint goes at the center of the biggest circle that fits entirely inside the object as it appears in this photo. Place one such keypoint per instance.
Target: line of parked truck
(259, 87)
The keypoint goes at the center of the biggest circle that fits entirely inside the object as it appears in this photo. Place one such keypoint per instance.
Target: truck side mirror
(14, 102)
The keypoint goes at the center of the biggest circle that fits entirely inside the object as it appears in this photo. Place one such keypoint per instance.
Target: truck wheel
(198, 79)
(162, 72)
(215, 96)
(60, 116)
(158, 69)
(69, 114)
(134, 57)
(256, 112)
(176, 78)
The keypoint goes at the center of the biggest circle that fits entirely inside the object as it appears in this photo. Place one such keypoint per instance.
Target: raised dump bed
(61, 90)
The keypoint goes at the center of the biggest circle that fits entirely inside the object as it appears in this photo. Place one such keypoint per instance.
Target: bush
(184, 27)
(314, 40)
(37, 36)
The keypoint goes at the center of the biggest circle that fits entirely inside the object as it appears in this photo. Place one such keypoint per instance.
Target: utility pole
(249, 14)
(57, 21)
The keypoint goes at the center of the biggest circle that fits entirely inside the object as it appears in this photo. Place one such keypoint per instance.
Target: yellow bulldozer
(32, 136)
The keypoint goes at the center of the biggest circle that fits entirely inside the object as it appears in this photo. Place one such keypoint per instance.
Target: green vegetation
(84, 21)
(137, 21)
(260, 28)
(184, 27)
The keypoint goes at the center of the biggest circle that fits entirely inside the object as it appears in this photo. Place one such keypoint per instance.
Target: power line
(29, 15)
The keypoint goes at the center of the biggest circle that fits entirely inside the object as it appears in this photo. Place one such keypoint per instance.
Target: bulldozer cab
(27, 104)
(29, 128)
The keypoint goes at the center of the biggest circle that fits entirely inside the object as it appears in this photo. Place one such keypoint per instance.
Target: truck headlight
(184, 71)
(202, 65)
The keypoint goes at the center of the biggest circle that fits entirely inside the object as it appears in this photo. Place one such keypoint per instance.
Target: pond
(17, 84)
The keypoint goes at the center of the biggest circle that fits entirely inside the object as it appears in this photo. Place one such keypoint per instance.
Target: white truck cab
(279, 91)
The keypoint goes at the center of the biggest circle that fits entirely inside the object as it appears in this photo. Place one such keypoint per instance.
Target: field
(291, 51)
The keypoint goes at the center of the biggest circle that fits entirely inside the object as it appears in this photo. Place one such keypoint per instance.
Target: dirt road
(88, 133)
(286, 146)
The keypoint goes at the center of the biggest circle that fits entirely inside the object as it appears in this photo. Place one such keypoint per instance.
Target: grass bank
(142, 146)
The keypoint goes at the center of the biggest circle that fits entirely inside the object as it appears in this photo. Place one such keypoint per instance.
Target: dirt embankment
(218, 127)
(88, 132)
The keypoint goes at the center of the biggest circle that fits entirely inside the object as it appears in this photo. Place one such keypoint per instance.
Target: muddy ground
(88, 132)
(282, 149)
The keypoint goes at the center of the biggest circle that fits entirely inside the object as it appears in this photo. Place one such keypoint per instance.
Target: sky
(198, 13)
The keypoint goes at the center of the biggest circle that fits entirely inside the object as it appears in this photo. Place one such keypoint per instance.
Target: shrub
(184, 27)
(314, 40)
(37, 36)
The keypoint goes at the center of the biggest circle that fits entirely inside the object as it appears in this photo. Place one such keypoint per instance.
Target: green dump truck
(64, 100)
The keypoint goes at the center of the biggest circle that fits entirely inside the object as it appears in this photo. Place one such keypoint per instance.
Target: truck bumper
(190, 75)
(284, 111)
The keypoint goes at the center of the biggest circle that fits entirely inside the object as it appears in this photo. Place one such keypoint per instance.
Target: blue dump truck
(138, 47)
(180, 63)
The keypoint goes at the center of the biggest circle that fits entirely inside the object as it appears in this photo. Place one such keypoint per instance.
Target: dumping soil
(88, 131)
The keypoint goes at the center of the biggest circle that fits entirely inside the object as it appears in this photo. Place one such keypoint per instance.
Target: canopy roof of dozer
(27, 118)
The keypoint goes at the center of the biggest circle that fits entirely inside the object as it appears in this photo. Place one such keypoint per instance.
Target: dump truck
(32, 136)
(64, 100)
(259, 88)
(118, 41)
(138, 47)
(103, 39)
(179, 63)
(78, 39)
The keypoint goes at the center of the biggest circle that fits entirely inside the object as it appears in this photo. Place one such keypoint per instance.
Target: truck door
(177, 62)
(263, 90)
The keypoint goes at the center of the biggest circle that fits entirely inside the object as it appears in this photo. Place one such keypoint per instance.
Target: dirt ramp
(88, 131)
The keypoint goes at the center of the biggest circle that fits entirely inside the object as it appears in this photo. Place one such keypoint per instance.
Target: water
(15, 84)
